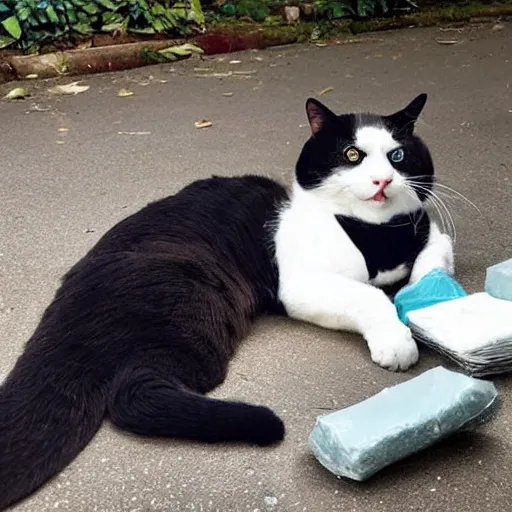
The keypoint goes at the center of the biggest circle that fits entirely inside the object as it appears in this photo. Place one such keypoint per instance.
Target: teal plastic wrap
(435, 287)
(360, 440)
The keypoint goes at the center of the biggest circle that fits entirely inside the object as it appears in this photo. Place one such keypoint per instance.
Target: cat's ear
(318, 115)
(404, 119)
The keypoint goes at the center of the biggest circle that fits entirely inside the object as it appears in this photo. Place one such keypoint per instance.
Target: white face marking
(350, 189)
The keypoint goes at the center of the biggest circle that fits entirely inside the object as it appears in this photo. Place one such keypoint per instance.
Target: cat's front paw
(438, 254)
(393, 347)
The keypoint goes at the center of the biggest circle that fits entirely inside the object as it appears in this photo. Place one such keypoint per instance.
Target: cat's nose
(382, 183)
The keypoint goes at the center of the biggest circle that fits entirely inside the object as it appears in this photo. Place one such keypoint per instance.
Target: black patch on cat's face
(332, 133)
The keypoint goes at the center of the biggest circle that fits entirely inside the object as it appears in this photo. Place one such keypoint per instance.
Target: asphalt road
(72, 166)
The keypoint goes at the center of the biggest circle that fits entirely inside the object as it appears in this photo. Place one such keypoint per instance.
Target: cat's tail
(148, 402)
(48, 414)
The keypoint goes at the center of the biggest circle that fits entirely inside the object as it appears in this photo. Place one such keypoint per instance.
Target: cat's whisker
(411, 191)
(440, 213)
(457, 194)
(445, 216)
(449, 216)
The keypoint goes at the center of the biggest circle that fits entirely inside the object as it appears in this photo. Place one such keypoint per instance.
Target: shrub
(27, 23)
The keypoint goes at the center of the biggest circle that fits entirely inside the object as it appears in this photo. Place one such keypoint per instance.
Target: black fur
(404, 236)
(141, 327)
(331, 133)
(147, 321)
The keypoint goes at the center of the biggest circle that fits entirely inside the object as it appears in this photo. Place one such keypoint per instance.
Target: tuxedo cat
(146, 322)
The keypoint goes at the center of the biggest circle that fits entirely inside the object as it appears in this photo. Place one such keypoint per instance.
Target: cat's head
(366, 165)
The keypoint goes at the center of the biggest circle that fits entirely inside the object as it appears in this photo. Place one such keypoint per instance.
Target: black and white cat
(147, 321)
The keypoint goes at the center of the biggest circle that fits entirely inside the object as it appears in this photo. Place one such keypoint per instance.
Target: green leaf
(365, 8)
(52, 15)
(171, 17)
(4, 8)
(82, 28)
(18, 93)
(147, 30)
(148, 16)
(23, 13)
(41, 16)
(158, 26)
(90, 8)
(152, 56)
(58, 5)
(71, 14)
(181, 51)
(190, 47)
(157, 10)
(12, 26)
(197, 10)
(108, 5)
(112, 27)
(6, 41)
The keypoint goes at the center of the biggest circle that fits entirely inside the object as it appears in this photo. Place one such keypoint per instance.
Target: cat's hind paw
(393, 348)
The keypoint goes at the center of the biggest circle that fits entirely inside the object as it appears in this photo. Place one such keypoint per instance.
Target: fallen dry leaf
(123, 93)
(18, 93)
(203, 124)
(326, 90)
(215, 75)
(32, 76)
(134, 133)
(37, 108)
(59, 142)
(235, 61)
(72, 88)
(320, 45)
(84, 44)
(498, 26)
(446, 41)
(227, 94)
(63, 130)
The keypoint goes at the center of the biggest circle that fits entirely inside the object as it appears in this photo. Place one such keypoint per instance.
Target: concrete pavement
(67, 174)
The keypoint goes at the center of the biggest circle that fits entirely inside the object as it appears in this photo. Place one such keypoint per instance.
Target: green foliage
(27, 23)
(333, 9)
(258, 10)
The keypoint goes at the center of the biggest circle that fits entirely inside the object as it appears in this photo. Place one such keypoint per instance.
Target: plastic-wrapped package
(498, 280)
(433, 288)
(475, 331)
(360, 440)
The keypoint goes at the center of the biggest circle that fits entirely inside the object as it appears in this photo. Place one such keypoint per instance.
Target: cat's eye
(352, 155)
(397, 155)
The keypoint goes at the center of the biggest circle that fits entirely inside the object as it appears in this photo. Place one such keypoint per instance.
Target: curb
(86, 61)
(102, 59)
(128, 56)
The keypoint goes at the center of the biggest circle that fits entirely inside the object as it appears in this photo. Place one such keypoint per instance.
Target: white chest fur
(309, 238)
